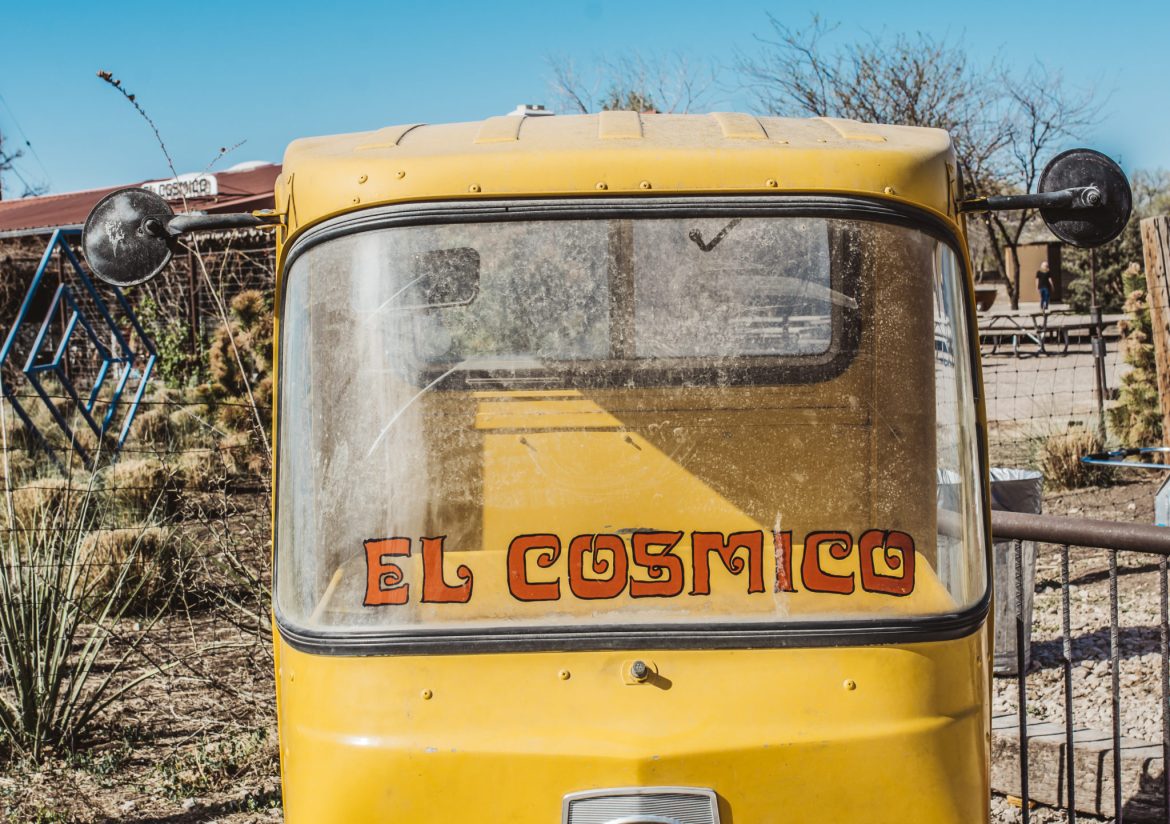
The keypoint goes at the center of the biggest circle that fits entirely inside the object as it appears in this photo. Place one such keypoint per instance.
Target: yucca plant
(58, 667)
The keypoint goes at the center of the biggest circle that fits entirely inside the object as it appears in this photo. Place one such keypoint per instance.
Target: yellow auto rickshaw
(629, 468)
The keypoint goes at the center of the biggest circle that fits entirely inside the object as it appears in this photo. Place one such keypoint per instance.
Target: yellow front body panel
(857, 735)
(863, 735)
(614, 153)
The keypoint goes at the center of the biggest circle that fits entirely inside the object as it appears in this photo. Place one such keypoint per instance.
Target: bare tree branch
(1004, 125)
(672, 83)
(910, 80)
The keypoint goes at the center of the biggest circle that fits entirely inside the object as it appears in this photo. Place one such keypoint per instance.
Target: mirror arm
(1081, 197)
(182, 224)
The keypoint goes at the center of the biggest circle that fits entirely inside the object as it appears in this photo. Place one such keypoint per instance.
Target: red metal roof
(244, 190)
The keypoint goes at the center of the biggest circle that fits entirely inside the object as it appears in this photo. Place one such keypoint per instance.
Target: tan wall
(1031, 256)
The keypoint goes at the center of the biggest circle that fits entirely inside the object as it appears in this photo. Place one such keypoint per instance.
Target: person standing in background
(1044, 285)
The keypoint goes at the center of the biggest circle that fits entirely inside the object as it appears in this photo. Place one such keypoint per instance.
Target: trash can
(1013, 490)
(1162, 504)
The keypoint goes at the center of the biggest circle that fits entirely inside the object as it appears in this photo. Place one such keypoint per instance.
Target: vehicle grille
(642, 805)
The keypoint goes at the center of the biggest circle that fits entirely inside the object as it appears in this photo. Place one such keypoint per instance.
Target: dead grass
(32, 500)
(152, 426)
(197, 744)
(140, 565)
(140, 488)
(200, 469)
(1060, 459)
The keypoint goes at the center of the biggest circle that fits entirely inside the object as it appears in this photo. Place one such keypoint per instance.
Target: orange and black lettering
(384, 580)
(872, 581)
(813, 575)
(598, 588)
(435, 589)
(548, 549)
(657, 563)
(705, 543)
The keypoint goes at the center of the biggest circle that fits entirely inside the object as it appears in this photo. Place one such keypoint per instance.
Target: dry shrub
(200, 469)
(42, 498)
(140, 487)
(204, 393)
(16, 434)
(1061, 459)
(166, 395)
(21, 466)
(235, 416)
(137, 567)
(193, 417)
(88, 440)
(151, 426)
(234, 451)
(262, 392)
(241, 455)
(250, 329)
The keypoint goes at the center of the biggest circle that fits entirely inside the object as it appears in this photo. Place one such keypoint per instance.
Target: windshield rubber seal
(678, 635)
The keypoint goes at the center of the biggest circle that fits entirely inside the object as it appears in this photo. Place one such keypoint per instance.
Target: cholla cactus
(250, 329)
(1136, 418)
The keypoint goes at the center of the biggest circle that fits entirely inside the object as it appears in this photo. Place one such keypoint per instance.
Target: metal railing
(1113, 537)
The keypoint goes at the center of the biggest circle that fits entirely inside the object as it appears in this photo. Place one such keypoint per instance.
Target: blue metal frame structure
(119, 353)
(1116, 457)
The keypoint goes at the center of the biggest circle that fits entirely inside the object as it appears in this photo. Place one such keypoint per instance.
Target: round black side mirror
(125, 239)
(1107, 193)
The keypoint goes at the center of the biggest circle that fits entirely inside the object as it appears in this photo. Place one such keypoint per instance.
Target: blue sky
(213, 74)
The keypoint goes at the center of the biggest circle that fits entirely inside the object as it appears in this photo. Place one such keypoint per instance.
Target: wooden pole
(1156, 250)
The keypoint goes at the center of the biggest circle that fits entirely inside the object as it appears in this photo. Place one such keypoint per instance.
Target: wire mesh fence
(1097, 623)
(152, 571)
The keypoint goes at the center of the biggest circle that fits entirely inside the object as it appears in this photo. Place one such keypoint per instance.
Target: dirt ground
(188, 747)
(197, 743)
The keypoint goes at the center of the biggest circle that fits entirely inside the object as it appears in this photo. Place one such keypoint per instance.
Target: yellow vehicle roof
(614, 153)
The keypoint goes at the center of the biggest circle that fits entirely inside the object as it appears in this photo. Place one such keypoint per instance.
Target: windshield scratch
(394, 418)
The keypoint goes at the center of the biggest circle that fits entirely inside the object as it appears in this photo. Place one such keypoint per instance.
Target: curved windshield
(614, 422)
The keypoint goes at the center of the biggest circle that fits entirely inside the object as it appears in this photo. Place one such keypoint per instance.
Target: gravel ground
(1139, 608)
(1003, 810)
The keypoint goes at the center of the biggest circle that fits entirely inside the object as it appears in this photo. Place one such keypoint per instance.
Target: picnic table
(1059, 323)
